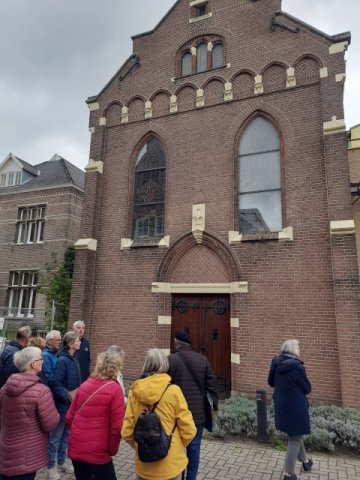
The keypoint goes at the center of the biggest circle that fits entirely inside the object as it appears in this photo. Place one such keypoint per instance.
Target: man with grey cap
(192, 372)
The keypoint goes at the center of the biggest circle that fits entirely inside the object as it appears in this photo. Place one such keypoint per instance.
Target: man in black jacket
(82, 355)
(7, 366)
(192, 372)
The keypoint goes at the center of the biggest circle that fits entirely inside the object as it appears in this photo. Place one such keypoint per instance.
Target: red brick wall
(295, 291)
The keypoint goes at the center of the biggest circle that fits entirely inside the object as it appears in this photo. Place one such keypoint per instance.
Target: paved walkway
(236, 460)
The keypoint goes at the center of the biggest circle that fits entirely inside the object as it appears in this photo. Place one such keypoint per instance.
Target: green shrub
(331, 426)
(237, 416)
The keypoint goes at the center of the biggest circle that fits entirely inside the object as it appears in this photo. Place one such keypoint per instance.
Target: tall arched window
(149, 192)
(260, 178)
(201, 58)
(186, 64)
(218, 56)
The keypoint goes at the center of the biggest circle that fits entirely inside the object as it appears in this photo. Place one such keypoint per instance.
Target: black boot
(307, 466)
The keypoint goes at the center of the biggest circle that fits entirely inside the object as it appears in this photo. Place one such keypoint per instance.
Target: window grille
(149, 191)
(22, 293)
(30, 224)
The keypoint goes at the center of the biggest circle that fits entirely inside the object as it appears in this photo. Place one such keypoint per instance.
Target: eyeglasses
(38, 360)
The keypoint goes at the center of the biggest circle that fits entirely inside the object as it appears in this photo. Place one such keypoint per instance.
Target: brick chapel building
(217, 198)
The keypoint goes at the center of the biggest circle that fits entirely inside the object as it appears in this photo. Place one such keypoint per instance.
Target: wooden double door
(207, 319)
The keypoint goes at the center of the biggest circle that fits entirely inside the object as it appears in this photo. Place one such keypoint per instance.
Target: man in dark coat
(82, 355)
(287, 375)
(7, 366)
(184, 365)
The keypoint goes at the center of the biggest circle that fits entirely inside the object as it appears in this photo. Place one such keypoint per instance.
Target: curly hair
(108, 365)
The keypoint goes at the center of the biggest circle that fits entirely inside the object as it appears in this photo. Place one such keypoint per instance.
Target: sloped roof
(56, 172)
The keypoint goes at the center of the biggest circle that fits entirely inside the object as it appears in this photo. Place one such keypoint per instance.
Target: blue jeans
(58, 440)
(193, 454)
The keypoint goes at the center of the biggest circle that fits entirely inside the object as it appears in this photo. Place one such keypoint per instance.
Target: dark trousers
(92, 471)
(26, 476)
(193, 454)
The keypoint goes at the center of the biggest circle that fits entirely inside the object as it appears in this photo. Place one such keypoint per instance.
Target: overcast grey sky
(54, 54)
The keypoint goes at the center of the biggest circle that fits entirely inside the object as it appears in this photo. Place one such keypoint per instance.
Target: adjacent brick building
(217, 198)
(40, 213)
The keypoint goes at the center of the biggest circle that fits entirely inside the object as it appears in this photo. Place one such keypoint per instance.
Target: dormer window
(9, 179)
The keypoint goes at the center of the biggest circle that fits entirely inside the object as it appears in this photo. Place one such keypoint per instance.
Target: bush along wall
(331, 426)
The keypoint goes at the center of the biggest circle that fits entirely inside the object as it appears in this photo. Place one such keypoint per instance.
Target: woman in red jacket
(27, 414)
(95, 419)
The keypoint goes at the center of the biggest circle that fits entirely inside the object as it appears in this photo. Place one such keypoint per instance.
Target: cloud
(56, 54)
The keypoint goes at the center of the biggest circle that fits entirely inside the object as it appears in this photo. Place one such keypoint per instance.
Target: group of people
(52, 410)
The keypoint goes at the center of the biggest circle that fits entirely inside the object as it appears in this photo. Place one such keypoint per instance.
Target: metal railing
(41, 320)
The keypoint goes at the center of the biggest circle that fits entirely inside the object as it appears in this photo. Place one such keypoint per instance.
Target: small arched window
(260, 178)
(186, 64)
(218, 56)
(149, 191)
(201, 58)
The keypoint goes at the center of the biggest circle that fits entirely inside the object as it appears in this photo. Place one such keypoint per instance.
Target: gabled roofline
(123, 71)
(21, 164)
(11, 156)
(339, 37)
(149, 32)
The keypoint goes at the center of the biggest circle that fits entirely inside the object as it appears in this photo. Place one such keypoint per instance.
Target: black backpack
(153, 442)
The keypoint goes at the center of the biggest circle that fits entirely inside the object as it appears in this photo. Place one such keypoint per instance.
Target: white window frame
(10, 179)
(30, 218)
(20, 288)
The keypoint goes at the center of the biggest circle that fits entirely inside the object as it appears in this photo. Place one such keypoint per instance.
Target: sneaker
(66, 467)
(52, 474)
(307, 466)
(290, 477)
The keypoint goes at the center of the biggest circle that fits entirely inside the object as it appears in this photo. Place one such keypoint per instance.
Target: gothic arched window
(186, 64)
(201, 58)
(218, 56)
(260, 208)
(149, 191)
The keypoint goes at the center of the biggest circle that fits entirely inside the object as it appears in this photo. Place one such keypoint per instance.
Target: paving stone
(224, 460)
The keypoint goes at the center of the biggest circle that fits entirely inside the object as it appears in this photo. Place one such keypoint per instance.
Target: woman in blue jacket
(287, 374)
(65, 380)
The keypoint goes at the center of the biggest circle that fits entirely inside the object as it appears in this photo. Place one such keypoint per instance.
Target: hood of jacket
(286, 363)
(18, 383)
(148, 390)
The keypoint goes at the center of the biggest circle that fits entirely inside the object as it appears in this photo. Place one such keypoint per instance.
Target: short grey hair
(25, 357)
(51, 335)
(119, 350)
(78, 323)
(69, 337)
(155, 362)
(290, 346)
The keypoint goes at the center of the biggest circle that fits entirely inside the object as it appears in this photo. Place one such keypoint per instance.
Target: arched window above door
(260, 205)
(149, 191)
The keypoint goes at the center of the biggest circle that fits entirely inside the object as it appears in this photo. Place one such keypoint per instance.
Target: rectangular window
(10, 179)
(22, 293)
(30, 224)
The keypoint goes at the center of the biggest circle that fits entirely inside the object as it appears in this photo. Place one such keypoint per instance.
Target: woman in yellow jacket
(172, 409)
